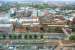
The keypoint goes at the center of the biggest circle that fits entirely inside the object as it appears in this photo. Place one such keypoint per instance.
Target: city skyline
(37, 0)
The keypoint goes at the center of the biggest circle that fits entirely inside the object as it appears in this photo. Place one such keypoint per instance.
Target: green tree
(72, 37)
(41, 6)
(12, 36)
(73, 27)
(4, 7)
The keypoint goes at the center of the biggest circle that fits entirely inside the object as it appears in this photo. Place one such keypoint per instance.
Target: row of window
(20, 36)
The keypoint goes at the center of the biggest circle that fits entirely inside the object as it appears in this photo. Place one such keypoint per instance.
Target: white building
(6, 28)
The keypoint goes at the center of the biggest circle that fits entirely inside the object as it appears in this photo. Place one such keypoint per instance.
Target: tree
(73, 28)
(2, 36)
(12, 36)
(19, 36)
(41, 6)
(35, 36)
(5, 7)
(72, 37)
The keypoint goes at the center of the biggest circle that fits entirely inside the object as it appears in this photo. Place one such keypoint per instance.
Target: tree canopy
(72, 37)
(4, 7)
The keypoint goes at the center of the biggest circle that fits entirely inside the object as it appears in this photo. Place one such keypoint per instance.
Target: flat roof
(5, 25)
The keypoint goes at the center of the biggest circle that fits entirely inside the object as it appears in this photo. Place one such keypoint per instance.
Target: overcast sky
(37, 0)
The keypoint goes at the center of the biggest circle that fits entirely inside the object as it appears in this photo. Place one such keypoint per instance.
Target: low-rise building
(6, 28)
